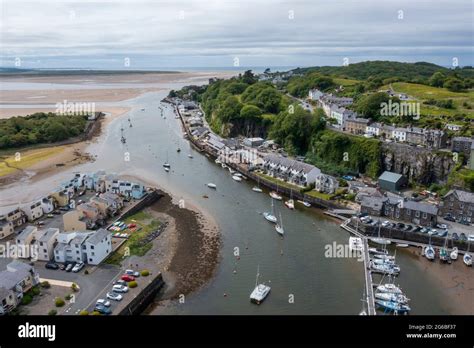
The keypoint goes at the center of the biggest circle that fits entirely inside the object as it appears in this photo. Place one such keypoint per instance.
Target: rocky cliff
(419, 165)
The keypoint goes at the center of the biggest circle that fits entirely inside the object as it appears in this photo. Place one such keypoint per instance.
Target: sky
(154, 34)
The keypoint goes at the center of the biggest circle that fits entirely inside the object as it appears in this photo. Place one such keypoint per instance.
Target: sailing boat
(257, 188)
(454, 254)
(290, 204)
(378, 240)
(122, 138)
(270, 216)
(443, 252)
(279, 226)
(260, 292)
(430, 252)
(275, 195)
(467, 258)
(166, 164)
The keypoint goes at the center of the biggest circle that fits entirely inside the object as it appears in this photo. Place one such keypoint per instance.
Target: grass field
(26, 159)
(345, 82)
(148, 224)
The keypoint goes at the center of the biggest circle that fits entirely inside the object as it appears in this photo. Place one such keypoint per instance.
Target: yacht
(393, 306)
(279, 227)
(270, 216)
(454, 254)
(467, 259)
(257, 189)
(211, 185)
(190, 156)
(290, 204)
(276, 196)
(389, 287)
(260, 292)
(306, 204)
(167, 169)
(430, 253)
(390, 296)
(236, 178)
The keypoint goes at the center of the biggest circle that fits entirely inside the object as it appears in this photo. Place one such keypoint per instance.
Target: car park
(102, 302)
(114, 296)
(69, 267)
(132, 273)
(78, 267)
(51, 265)
(102, 309)
(128, 278)
(119, 288)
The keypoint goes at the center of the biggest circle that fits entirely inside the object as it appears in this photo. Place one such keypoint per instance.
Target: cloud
(304, 32)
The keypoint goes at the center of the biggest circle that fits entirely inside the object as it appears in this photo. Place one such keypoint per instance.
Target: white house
(24, 241)
(33, 211)
(47, 204)
(374, 129)
(292, 171)
(399, 134)
(341, 114)
(315, 94)
(88, 247)
(6, 228)
(98, 246)
(46, 244)
(326, 183)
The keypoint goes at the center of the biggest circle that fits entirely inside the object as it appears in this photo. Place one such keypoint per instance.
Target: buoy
(235, 271)
(225, 295)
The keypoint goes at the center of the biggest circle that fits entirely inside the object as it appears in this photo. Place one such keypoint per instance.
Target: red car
(128, 278)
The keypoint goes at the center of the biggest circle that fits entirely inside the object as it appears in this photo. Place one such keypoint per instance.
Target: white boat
(467, 259)
(290, 204)
(454, 254)
(260, 292)
(378, 251)
(167, 169)
(389, 296)
(190, 156)
(402, 245)
(384, 257)
(166, 165)
(211, 185)
(392, 288)
(270, 216)
(217, 161)
(355, 244)
(430, 253)
(379, 240)
(279, 227)
(236, 178)
(257, 189)
(385, 268)
(306, 204)
(384, 262)
(276, 196)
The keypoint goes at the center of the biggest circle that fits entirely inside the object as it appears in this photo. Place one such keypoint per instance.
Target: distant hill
(387, 69)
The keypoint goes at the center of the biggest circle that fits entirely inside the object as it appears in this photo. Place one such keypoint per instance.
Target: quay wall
(144, 298)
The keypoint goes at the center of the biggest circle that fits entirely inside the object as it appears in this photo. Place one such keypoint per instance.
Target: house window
(425, 215)
(417, 214)
(408, 212)
(92, 247)
(92, 253)
(77, 251)
(90, 260)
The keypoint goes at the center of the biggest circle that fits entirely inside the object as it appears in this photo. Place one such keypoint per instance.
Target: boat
(454, 254)
(260, 292)
(290, 204)
(383, 261)
(236, 178)
(443, 255)
(384, 257)
(430, 253)
(355, 244)
(178, 150)
(402, 245)
(143, 109)
(467, 259)
(257, 189)
(379, 240)
(279, 227)
(190, 156)
(167, 169)
(389, 287)
(384, 268)
(270, 216)
(389, 296)
(393, 306)
(306, 204)
(122, 138)
(217, 161)
(378, 251)
(166, 165)
(211, 185)
(276, 196)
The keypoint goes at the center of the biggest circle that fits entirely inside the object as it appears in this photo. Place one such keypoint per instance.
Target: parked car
(50, 216)
(386, 223)
(51, 265)
(470, 238)
(463, 236)
(62, 267)
(119, 288)
(66, 208)
(132, 273)
(360, 215)
(464, 222)
(114, 296)
(400, 225)
(407, 228)
(348, 177)
(417, 228)
(443, 233)
(78, 267)
(120, 282)
(128, 278)
(40, 223)
(424, 230)
(454, 236)
(70, 266)
(442, 226)
(102, 302)
(102, 309)
(449, 218)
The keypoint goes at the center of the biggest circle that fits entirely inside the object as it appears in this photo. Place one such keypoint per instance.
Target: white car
(114, 296)
(385, 223)
(78, 267)
(120, 288)
(470, 238)
(103, 302)
(132, 273)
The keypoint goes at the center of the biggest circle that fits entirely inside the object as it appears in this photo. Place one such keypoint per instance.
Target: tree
(250, 112)
(229, 109)
(248, 77)
(369, 106)
(454, 84)
(269, 100)
(437, 79)
(236, 87)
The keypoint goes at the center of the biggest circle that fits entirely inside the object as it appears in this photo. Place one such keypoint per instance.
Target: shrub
(52, 312)
(45, 284)
(67, 297)
(83, 312)
(86, 272)
(59, 302)
(35, 291)
(145, 273)
(26, 299)
(132, 284)
(95, 313)
(74, 287)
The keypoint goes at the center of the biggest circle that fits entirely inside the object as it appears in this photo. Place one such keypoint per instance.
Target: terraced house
(291, 171)
(458, 204)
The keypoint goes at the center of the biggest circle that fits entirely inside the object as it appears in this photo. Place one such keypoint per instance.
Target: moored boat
(389, 287)
(260, 292)
(279, 227)
(430, 253)
(236, 178)
(390, 296)
(402, 245)
(290, 204)
(454, 254)
(467, 259)
(270, 216)
(377, 251)
(211, 185)
(276, 196)
(257, 189)
(393, 306)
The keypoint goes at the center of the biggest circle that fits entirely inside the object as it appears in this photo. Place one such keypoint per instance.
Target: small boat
(166, 165)
(257, 189)
(236, 178)
(290, 204)
(393, 306)
(279, 227)
(167, 169)
(454, 254)
(190, 156)
(378, 251)
(276, 196)
(270, 216)
(355, 244)
(217, 161)
(385, 269)
(402, 245)
(443, 255)
(381, 241)
(388, 296)
(467, 259)
(306, 204)
(143, 109)
(430, 253)
(260, 292)
(211, 185)
(178, 150)
(392, 288)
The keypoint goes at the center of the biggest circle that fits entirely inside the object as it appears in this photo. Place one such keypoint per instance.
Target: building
(15, 281)
(326, 183)
(315, 94)
(356, 125)
(98, 246)
(87, 247)
(74, 221)
(17, 217)
(6, 228)
(459, 205)
(291, 171)
(399, 134)
(24, 240)
(46, 244)
(390, 181)
(374, 129)
(33, 211)
(341, 115)
(453, 127)
(373, 206)
(215, 143)
(462, 145)
(253, 142)
(47, 204)
(61, 197)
